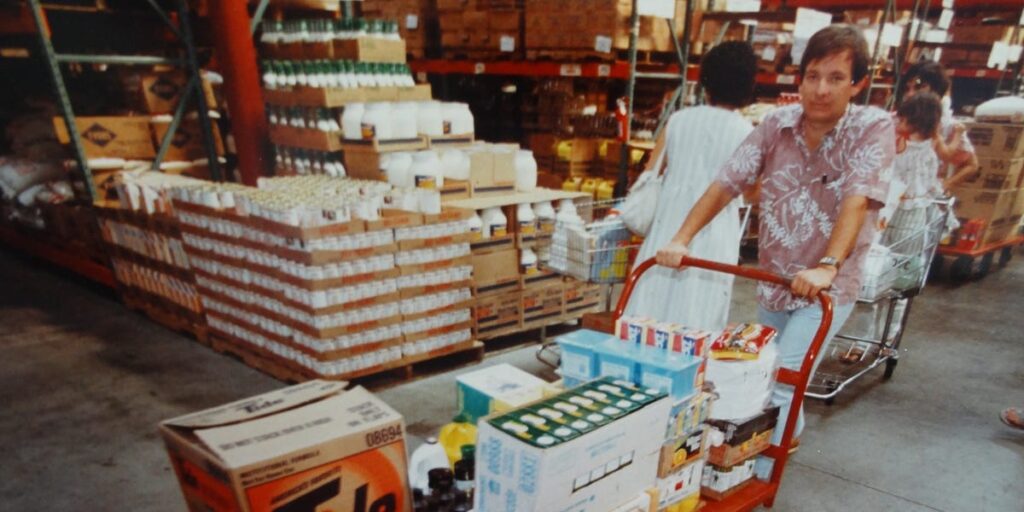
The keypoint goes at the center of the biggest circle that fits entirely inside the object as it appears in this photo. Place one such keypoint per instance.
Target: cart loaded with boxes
(717, 388)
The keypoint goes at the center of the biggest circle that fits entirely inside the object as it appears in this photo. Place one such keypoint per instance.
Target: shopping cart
(756, 492)
(601, 251)
(898, 272)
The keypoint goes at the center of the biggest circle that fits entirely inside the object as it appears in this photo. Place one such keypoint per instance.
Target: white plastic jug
(429, 455)
(397, 169)
(526, 171)
(426, 170)
(545, 217)
(455, 164)
(495, 223)
(476, 227)
(527, 219)
(377, 121)
(351, 121)
(405, 120)
(528, 263)
(458, 120)
(429, 120)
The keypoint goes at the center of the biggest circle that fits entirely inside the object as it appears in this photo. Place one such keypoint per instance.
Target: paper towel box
(495, 389)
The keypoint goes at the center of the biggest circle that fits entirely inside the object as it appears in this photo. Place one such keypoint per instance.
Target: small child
(919, 149)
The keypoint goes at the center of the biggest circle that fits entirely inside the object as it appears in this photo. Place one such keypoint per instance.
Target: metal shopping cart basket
(896, 273)
(757, 492)
(601, 251)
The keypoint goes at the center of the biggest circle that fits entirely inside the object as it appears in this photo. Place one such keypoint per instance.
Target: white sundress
(698, 140)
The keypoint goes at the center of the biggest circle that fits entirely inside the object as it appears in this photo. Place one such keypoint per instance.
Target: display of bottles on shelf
(310, 118)
(297, 161)
(343, 74)
(324, 30)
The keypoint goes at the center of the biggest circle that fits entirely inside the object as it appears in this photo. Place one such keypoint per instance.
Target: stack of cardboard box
(598, 28)
(481, 28)
(417, 21)
(993, 194)
(137, 137)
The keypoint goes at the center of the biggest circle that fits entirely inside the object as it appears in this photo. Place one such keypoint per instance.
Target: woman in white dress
(698, 141)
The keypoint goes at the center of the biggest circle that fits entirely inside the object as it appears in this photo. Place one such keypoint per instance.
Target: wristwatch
(829, 261)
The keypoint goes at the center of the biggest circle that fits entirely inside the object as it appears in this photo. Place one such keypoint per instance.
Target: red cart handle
(796, 379)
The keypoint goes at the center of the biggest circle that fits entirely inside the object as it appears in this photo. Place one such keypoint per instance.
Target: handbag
(638, 209)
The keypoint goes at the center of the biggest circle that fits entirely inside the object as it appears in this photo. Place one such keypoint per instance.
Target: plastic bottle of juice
(455, 435)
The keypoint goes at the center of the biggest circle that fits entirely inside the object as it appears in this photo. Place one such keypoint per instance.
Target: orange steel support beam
(236, 54)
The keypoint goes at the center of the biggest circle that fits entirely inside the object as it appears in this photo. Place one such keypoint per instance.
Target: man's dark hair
(728, 72)
(930, 73)
(835, 39)
(923, 112)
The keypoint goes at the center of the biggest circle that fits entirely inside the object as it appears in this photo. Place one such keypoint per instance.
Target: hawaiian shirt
(801, 193)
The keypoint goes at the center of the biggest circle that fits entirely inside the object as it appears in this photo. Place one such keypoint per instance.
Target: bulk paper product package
(581, 450)
(743, 387)
(742, 341)
(313, 446)
(496, 388)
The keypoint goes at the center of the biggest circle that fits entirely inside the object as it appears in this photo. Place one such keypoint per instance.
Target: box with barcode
(587, 449)
(312, 446)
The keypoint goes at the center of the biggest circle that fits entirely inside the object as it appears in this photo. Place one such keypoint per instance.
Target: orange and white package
(742, 341)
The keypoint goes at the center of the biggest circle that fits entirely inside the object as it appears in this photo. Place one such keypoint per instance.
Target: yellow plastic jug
(456, 434)
(589, 186)
(572, 184)
(606, 190)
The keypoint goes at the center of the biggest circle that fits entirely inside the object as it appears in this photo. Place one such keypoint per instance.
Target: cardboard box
(126, 137)
(305, 447)
(997, 173)
(187, 143)
(497, 388)
(1000, 229)
(498, 314)
(680, 484)
(743, 439)
(606, 462)
(997, 140)
(581, 297)
(542, 304)
(371, 49)
(162, 91)
(982, 203)
(497, 269)
(364, 165)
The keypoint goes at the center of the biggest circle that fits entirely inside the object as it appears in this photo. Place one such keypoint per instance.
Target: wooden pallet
(166, 313)
(288, 371)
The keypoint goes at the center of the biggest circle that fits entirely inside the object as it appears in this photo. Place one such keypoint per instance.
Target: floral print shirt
(801, 193)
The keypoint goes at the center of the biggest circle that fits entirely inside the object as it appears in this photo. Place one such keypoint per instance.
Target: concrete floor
(84, 382)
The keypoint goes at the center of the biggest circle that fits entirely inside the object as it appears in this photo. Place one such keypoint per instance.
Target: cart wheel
(960, 270)
(986, 264)
(890, 366)
(1005, 256)
(832, 399)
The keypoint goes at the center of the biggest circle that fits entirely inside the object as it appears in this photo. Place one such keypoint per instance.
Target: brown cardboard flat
(370, 49)
(981, 203)
(497, 313)
(111, 136)
(278, 449)
(495, 267)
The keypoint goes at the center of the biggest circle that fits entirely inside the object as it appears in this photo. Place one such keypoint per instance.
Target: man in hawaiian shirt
(824, 168)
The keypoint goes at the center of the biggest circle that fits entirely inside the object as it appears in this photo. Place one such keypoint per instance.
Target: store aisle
(84, 382)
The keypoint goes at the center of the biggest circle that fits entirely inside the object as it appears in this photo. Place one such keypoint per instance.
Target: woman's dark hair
(923, 112)
(927, 72)
(728, 71)
(835, 39)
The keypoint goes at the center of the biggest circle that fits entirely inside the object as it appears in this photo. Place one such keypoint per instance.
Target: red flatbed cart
(756, 492)
(976, 262)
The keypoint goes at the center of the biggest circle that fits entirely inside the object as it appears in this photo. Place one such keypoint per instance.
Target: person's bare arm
(852, 212)
(716, 197)
(962, 172)
(947, 149)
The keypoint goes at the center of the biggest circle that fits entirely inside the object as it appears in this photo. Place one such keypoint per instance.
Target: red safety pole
(236, 54)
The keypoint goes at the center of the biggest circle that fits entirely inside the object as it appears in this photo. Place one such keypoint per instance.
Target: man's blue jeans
(796, 331)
